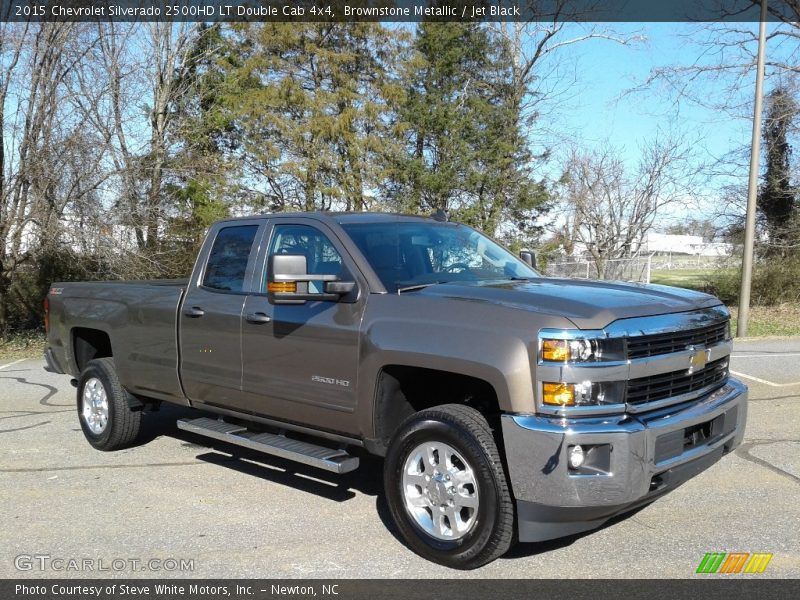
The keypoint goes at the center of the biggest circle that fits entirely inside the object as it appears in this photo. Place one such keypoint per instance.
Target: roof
(343, 218)
(373, 217)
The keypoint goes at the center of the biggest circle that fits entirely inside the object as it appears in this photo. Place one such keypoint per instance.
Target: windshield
(406, 254)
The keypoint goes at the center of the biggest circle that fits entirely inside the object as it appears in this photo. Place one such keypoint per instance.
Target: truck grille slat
(667, 385)
(643, 346)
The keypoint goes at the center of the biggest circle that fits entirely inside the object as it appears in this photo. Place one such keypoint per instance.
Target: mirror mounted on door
(528, 256)
(290, 283)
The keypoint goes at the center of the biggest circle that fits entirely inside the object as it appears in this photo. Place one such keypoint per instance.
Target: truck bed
(141, 319)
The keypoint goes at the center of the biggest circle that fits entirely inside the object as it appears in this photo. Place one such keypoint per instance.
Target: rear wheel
(104, 410)
(446, 488)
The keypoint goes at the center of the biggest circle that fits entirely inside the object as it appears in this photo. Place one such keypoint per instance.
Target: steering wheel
(459, 265)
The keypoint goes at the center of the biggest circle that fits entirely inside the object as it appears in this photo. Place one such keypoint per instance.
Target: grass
(782, 320)
(24, 344)
(694, 279)
(779, 320)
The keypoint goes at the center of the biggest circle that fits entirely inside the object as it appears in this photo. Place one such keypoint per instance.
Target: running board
(329, 459)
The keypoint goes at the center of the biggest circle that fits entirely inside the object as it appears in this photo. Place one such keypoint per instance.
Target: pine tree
(459, 121)
(310, 111)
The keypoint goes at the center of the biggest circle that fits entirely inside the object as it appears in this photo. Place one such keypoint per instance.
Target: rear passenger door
(210, 318)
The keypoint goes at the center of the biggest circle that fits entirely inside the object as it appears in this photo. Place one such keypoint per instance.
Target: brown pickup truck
(508, 406)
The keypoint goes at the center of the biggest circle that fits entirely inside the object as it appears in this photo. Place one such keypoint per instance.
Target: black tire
(468, 432)
(123, 424)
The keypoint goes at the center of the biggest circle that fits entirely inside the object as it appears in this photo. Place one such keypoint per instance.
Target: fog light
(576, 457)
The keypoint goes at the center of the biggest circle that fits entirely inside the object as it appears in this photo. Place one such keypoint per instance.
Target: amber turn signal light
(558, 394)
(282, 286)
(555, 350)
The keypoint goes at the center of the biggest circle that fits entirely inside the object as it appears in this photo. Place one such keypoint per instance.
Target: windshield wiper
(418, 286)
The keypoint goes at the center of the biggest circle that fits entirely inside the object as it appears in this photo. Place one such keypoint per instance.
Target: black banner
(396, 10)
(712, 588)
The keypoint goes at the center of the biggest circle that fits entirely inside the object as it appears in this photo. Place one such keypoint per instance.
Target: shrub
(774, 282)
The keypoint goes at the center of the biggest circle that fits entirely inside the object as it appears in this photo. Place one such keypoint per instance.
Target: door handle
(194, 312)
(258, 318)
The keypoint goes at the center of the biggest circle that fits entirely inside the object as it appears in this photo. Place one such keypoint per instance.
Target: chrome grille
(642, 346)
(676, 383)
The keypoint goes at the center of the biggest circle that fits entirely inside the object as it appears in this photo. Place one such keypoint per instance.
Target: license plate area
(673, 444)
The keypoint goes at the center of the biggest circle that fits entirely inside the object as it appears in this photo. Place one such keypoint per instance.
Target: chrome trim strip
(676, 361)
(670, 323)
(687, 397)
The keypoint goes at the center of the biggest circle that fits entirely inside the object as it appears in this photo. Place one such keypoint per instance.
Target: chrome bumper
(646, 456)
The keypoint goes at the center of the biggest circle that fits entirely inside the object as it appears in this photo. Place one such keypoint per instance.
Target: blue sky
(599, 110)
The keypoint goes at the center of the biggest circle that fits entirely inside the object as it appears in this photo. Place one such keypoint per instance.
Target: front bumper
(646, 456)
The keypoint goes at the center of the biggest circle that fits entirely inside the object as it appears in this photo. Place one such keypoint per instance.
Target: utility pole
(752, 184)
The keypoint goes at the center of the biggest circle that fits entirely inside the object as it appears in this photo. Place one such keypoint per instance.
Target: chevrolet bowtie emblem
(698, 359)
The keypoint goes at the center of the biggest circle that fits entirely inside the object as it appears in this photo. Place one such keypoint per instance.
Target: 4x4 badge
(698, 359)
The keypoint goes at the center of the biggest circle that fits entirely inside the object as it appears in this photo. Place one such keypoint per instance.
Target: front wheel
(446, 488)
(106, 417)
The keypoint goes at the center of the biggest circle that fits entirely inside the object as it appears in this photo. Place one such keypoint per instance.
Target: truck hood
(588, 304)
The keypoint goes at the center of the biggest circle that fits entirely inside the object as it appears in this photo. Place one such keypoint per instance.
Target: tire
(106, 417)
(475, 521)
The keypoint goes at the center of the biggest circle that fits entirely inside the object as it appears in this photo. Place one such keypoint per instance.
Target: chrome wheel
(94, 405)
(440, 491)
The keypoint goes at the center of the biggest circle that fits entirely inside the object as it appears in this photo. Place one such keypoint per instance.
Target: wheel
(446, 488)
(106, 417)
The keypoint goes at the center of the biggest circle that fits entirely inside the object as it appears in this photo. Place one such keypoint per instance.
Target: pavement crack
(25, 427)
(744, 452)
(27, 413)
(51, 391)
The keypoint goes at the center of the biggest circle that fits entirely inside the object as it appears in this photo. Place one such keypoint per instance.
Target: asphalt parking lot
(235, 513)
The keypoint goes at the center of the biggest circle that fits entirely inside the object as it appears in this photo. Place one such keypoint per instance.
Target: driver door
(300, 361)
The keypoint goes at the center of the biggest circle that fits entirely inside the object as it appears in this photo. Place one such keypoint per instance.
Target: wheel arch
(402, 390)
(88, 344)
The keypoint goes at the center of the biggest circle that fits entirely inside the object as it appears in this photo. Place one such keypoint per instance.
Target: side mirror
(289, 282)
(528, 257)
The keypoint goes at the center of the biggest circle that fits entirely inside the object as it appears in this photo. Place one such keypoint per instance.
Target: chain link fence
(636, 268)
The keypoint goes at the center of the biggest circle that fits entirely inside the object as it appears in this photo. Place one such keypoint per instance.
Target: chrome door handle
(258, 318)
(194, 312)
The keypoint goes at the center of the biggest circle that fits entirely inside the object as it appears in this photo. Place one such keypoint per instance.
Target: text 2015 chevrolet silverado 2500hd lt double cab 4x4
(507, 405)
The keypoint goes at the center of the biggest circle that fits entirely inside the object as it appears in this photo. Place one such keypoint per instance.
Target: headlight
(564, 350)
(582, 349)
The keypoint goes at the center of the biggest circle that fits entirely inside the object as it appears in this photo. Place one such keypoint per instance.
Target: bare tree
(609, 208)
(42, 173)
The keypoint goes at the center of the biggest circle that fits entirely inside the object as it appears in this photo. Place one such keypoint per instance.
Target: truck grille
(668, 385)
(642, 346)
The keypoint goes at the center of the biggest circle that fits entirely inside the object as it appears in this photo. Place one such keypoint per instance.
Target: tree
(609, 209)
(308, 102)
(777, 198)
(202, 187)
(463, 151)
(48, 161)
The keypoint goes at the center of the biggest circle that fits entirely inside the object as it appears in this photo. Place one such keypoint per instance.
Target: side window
(321, 255)
(227, 261)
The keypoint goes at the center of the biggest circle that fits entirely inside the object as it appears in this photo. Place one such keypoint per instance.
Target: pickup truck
(508, 406)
